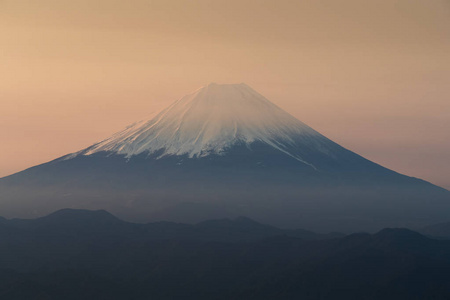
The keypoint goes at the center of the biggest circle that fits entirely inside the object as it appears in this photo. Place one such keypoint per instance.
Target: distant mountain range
(441, 230)
(74, 254)
(226, 151)
(90, 223)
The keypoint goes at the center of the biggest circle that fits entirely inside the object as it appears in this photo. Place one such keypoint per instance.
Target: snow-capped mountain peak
(223, 151)
(210, 120)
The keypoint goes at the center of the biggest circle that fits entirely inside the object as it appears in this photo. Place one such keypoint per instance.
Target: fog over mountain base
(226, 151)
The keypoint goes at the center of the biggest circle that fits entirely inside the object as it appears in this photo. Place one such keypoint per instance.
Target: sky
(374, 76)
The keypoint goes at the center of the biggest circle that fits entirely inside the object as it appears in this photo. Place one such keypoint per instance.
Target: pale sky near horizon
(374, 76)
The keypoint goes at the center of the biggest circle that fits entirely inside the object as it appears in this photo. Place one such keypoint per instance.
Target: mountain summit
(210, 121)
(226, 151)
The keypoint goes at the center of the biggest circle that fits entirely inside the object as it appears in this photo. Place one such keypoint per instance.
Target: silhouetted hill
(70, 218)
(76, 254)
(100, 222)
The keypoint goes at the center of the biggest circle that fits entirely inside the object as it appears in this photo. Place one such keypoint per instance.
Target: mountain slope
(441, 230)
(211, 120)
(226, 151)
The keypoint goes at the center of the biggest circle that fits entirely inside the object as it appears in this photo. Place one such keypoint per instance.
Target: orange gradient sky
(373, 76)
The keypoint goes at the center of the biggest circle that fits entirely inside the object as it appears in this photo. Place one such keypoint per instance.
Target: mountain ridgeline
(74, 254)
(226, 151)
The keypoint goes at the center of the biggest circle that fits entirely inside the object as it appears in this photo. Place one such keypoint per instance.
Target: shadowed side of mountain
(441, 230)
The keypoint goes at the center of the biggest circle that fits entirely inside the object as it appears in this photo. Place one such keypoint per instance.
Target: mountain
(210, 121)
(73, 254)
(441, 230)
(226, 151)
(83, 224)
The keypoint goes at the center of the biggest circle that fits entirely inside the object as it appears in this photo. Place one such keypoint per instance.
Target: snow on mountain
(248, 158)
(210, 120)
